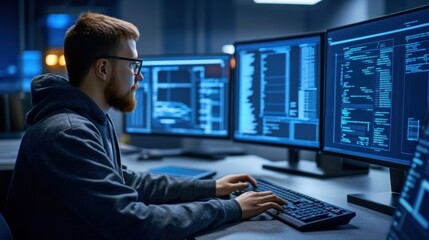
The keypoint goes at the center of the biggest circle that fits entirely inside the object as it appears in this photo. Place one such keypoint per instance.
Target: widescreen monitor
(277, 96)
(185, 96)
(377, 92)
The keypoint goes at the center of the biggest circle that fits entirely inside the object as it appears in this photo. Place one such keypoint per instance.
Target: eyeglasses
(135, 64)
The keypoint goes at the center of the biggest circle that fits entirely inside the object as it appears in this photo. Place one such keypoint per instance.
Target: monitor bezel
(372, 159)
(187, 56)
(321, 35)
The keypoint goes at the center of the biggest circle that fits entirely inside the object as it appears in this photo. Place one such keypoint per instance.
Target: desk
(8, 152)
(367, 224)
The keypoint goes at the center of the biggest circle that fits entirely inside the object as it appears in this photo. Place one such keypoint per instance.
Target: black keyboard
(304, 212)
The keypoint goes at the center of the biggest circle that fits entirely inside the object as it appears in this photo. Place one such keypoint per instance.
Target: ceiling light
(300, 2)
(229, 49)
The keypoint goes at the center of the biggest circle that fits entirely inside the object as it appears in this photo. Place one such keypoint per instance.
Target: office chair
(5, 233)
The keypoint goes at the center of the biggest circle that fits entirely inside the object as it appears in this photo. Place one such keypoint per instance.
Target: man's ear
(102, 69)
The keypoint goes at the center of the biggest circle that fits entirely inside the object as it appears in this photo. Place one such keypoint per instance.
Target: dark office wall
(255, 21)
(148, 17)
(195, 26)
(199, 26)
(400, 5)
(181, 26)
(333, 13)
(189, 26)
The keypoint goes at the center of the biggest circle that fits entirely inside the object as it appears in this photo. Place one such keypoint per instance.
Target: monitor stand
(384, 202)
(324, 167)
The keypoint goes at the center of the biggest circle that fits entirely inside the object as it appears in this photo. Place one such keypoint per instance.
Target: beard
(125, 102)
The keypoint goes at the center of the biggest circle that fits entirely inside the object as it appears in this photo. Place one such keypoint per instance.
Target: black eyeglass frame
(139, 61)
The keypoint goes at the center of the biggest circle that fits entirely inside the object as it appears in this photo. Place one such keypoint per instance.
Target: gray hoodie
(69, 182)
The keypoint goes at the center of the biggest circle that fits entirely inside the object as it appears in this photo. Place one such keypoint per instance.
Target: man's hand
(230, 183)
(255, 203)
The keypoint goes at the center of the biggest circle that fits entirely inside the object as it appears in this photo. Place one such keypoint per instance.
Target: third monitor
(277, 97)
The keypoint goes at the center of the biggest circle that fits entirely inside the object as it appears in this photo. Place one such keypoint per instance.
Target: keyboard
(303, 212)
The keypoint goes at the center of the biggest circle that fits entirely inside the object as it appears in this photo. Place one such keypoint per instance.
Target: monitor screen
(411, 219)
(32, 65)
(183, 95)
(277, 91)
(9, 47)
(377, 88)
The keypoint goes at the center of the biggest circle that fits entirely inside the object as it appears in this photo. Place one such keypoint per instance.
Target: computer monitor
(185, 96)
(32, 65)
(277, 97)
(411, 218)
(376, 94)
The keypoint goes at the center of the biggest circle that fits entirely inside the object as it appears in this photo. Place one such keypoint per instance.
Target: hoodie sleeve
(84, 180)
(158, 189)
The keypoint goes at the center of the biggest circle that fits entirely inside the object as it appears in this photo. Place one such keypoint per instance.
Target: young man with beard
(69, 182)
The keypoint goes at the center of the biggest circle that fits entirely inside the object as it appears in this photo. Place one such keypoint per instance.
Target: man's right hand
(255, 203)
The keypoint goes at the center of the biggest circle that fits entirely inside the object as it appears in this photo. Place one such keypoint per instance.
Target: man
(68, 181)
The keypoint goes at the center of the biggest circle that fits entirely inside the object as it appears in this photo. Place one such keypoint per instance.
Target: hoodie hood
(52, 93)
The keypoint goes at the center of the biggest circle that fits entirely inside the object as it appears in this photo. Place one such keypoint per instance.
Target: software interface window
(182, 95)
(378, 73)
(277, 93)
